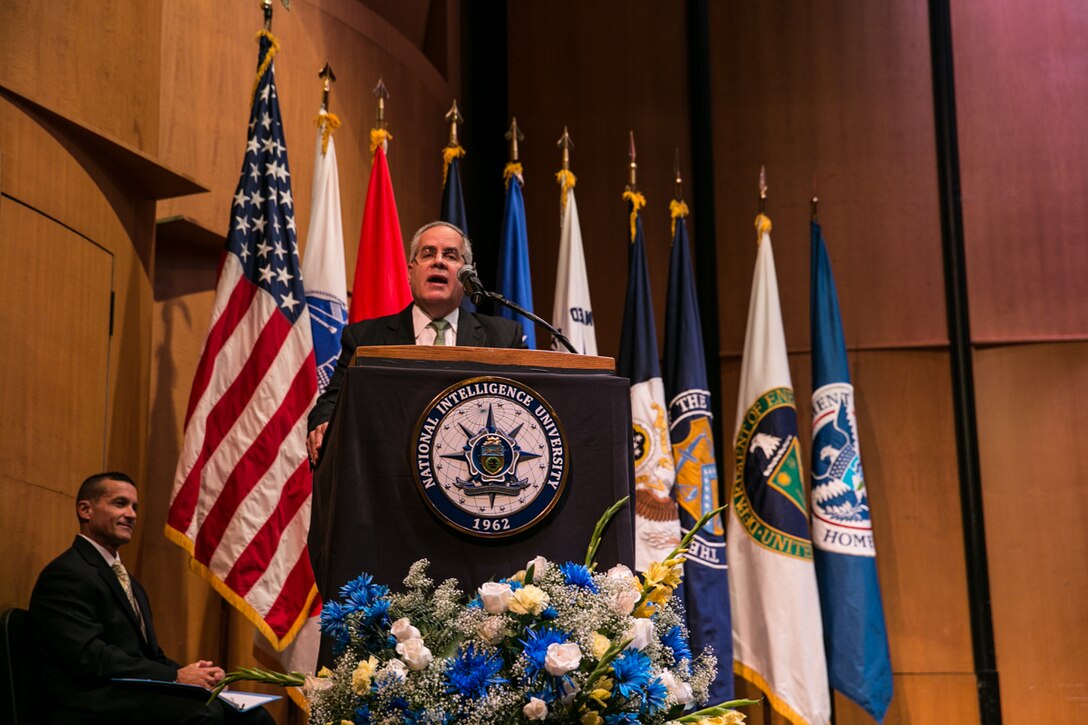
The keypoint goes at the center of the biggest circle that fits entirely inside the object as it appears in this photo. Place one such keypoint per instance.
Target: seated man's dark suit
(473, 330)
(89, 635)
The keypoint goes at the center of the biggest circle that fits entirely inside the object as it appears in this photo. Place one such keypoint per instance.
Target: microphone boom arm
(510, 304)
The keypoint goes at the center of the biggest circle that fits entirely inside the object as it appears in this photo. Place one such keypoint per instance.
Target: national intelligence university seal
(490, 457)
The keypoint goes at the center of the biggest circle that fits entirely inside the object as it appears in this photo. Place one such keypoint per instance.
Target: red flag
(381, 270)
(241, 499)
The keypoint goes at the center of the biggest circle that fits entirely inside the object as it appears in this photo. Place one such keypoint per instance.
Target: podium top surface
(504, 357)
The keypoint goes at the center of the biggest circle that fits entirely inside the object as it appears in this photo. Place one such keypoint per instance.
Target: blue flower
(362, 715)
(514, 584)
(546, 693)
(334, 624)
(536, 644)
(653, 700)
(631, 672)
(674, 640)
(471, 672)
(621, 718)
(376, 613)
(550, 613)
(579, 576)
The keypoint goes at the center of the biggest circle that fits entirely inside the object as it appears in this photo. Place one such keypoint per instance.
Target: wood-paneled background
(114, 115)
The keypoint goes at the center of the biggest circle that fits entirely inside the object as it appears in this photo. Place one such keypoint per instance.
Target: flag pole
(632, 167)
(454, 117)
(762, 189)
(566, 145)
(513, 136)
(327, 79)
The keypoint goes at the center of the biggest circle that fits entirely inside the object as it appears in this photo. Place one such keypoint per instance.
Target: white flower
(491, 630)
(495, 597)
(567, 689)
(619, 571)
(536, 709)
(562, 658)
(315, 685)
(394, 669)
(640, 632)
(623, 602)
(403, 630)
(539, 564)
(415, 653)
(680, 690)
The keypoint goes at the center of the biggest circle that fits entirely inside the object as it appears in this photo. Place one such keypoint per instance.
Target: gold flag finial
(453, 117)
(327, 79)
(382, 93)
(513, 136)
(632, 167)
(679, 178)
(566, 144)
(762, 188)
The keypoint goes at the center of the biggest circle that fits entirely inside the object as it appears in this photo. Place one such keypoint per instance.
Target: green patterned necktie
(439, 327)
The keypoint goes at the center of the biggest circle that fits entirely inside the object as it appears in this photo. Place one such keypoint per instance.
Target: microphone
(474, 288)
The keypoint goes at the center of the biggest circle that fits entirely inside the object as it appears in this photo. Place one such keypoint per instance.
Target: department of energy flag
(777, 638)
(706, 587)
(854, 632)
(514, 282)
(381, 270)
(241, 499)
(657, 523)
(573, 312)
(323, 268)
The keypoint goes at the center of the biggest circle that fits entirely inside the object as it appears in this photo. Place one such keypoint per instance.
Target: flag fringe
(637, 202)
(247, 610)
(266, 63)
(763, 226)
(448, 155)
(677, 209)
(379, 137)
(777, 703)
(327, 122)
(566, 181)
(510, 170)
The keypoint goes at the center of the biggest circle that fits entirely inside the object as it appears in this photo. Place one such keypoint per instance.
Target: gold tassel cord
(327, 122)
(274, 48)
(677, 210)
(448, 155)
(566, 181)
(637, 202)
(382, 137)
(763, 226)
(512, 169)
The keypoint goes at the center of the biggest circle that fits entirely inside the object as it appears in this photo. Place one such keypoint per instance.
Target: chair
(20, 683)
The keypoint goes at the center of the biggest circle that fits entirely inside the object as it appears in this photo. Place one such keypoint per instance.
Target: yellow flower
(519, 577)
(733, 717)
(591, 718)
(659, 595)
(601, 690)
(645, 610)
(528, 600)
(360, 678)
(324, 672)
(599, 645)
(659, 573)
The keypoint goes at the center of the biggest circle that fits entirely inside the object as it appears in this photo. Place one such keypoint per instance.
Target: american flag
(241, 500)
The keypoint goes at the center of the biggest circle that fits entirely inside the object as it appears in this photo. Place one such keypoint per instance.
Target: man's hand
(201, 673)
(313, 441)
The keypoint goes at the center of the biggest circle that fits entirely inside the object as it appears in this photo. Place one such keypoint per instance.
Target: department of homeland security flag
(854, 632)
(573, 312)
(323, 268)
(706, 587)
(381, 270)
(241, 499)
(514, 281)
(777, 637)
(657, 523)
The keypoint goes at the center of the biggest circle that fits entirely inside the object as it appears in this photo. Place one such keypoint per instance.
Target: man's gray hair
(413, 247)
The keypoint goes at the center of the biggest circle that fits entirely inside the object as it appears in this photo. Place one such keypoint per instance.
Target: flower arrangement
(553, 642)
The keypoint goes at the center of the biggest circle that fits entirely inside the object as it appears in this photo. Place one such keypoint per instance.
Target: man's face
(432, 273)
(110, 519)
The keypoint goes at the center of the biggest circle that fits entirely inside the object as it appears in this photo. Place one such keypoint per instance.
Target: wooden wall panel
(93, 60)
(1033, 420)
(602, 70)
(1021, 99)
(835, 94)
(209, 62)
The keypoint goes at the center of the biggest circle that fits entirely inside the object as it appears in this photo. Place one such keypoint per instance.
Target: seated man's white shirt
(425, 335)
(110, 558)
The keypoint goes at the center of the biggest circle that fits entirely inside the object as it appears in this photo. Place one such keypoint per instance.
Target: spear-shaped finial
(632, 167)
(453, 117)
(815, 201)
(266, 6)
(762, 188)
(679, 178)
(382, 93)
(566, 144)
(513, 136)
(327, 79)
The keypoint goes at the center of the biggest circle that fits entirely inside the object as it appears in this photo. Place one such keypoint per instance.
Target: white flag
(777, 632)
(573, 312)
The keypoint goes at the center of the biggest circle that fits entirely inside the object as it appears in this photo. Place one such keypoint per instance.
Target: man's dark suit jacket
(473, 330)
(89, 633)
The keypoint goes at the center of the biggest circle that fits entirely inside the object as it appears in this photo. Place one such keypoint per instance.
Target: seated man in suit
(94, 623)
(437, 252)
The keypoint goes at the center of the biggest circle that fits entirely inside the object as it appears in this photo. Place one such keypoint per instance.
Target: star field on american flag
(262, 231)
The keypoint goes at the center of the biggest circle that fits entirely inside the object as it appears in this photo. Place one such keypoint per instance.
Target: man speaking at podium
(437, 253)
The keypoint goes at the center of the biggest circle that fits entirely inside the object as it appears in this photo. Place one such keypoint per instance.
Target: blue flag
(514, 282)
(657, 523)
(705, 583)
(855, 636)
(453, 200)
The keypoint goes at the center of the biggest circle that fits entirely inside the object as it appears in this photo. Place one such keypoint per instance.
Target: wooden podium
(393, 436)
